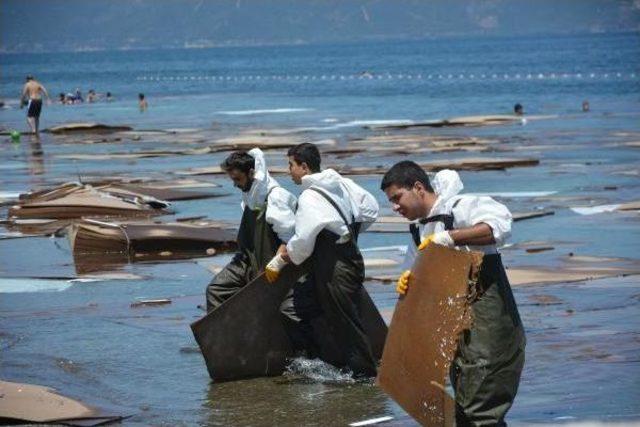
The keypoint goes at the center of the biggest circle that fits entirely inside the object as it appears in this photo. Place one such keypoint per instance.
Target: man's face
(408, 202)
(240, 179)
(297, 171)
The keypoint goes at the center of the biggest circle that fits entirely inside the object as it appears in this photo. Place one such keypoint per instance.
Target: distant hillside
(62, 25)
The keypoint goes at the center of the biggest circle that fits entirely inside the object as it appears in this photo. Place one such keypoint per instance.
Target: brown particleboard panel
(424, 332)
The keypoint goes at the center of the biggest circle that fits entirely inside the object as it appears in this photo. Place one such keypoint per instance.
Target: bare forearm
(480, 234)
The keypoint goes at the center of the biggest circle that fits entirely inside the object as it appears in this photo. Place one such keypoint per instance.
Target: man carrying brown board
(485, 372)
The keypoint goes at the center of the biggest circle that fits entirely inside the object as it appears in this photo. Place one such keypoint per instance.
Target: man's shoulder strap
(446, 219)
(333, 203)
(266, 198)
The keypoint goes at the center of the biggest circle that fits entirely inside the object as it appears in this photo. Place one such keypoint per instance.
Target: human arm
(280, 213)
(309, 221)
(44, 91)
(23, 96)
(311, 217)
(479, 221)
(364, 206)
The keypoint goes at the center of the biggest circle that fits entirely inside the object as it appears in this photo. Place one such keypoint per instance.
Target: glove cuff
(444, 238)
(276, 263)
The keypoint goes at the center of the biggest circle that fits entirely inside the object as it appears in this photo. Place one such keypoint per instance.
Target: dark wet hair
(240, 160)
(29, 77)
(306, 153)
(405, 174)
(141, 96)
(517, 108)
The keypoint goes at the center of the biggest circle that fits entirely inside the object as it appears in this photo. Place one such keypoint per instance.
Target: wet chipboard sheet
(245, 337)
(424, 332)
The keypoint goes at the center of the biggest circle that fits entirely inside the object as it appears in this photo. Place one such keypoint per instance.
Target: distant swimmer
(109, 97)
(92, 96)
(142, 103)
(78, 96)
(585, 106)
(518, 110)
(32, 97)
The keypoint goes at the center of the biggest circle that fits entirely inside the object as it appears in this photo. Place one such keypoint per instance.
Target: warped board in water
(245, 337)
(424, 332)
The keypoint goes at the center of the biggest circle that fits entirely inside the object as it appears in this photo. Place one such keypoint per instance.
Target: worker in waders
(485, 372)
(324, 242)
(267, 223)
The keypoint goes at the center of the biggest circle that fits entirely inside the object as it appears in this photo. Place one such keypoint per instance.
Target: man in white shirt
(267, 223)
(329, 208)
(486, 370)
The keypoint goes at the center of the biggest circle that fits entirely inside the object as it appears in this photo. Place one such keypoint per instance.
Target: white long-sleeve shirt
(469, 211)
(315, 213)
(364, 206)
(280, 206)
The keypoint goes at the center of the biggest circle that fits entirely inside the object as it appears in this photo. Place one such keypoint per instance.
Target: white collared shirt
(469, 211)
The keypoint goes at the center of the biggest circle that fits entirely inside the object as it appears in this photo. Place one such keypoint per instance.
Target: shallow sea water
(84, 339)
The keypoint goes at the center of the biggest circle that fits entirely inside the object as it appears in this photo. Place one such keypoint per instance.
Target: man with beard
(267, 223)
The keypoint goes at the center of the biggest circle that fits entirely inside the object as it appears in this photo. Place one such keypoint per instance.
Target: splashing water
(315, 370)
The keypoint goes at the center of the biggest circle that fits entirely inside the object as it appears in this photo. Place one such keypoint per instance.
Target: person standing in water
(331, 209)
(32, 97)
(267, 223)
(142, 103)
(485, 372)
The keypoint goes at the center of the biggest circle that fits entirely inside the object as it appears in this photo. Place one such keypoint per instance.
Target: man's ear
(251, 173)
(419, 187)
(305, 167)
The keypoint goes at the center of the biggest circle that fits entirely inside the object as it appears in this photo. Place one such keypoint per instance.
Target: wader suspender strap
(335, 205)
(266, 198)
(266, 206)
(447, 219)
(415, 233)
(266, 203)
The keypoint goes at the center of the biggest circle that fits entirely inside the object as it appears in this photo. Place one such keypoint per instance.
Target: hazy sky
(59, 25)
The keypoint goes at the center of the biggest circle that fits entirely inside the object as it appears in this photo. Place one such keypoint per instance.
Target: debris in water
(150, 302)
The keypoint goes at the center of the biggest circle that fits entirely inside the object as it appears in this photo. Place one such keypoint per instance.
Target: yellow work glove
(272, 270)
(442, 238)
(403, 282)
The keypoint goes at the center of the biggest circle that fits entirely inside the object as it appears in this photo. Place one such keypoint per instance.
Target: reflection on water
(36, 157)
(280, 401)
